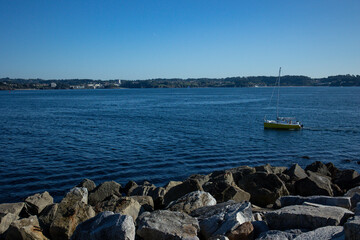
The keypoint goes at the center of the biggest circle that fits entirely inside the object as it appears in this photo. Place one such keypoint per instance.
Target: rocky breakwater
(264, 202)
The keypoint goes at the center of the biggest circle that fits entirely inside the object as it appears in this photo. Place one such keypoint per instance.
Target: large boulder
(318, 168)
(146, 202)
(71, 211)
(280, 235)
(148, 189)
(88, 184)
(103, 191)
(240, 172)
(106, 226)
(295, 172)
(25, 229)
(324, 200)
(46, 217)
(270, 169)
(222, 218)
(123, 205)
(314, 184)
(14, 208)
(354, 194)
(347, 179)
(323, 233)
(129, 187)
(306, 217)
(244, 231)
(182, 189)
(263, 187)
(37, 202)
(192, 201)
(167, 225)
(5, 220)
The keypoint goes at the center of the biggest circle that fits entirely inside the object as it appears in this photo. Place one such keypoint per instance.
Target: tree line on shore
(256, 81)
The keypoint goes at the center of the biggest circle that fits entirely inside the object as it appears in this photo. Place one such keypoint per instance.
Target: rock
(172, 184)
(106, 226)
(192, 201)
(306, 217)
(129, 187)
(264, 188)
(123, 205)
(318, 168)
(37, 202)
(71, 211)
(280, 235)
(14, 208)
(218, 238)
(239, 172)
(5, 220)
(295, 172)
(270, 169)
(314, 184)
(146, 202)
(164, 224)
(47, 216)
(25, 229)
(103, 191)
(244, 231)
(202, 179)
(352, 228)
(182, 189)
(324, 200)
(259, 227)
(222, 218)
(87, 183)
(324, 233)
(148, 189)
(347, 179)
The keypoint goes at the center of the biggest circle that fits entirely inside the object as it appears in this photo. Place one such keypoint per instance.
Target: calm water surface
(51, 140)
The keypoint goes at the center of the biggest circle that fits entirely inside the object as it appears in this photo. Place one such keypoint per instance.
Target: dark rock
(324, 200)
(202, 179)
(87, 183)
(259, 228)
(295, 172)
(280, 235)
(319, 168)
(264, 188)
(37, 202)
(164, 224)
(347, 179)
(305, 157)
(106, 226)
(46, 217)
(25, 229)
(354, 194)
(323, 233)
(146, 202)
(182, 189)
(123, 205)
(352, 228)
(103, 191)
(244, 231)
(129, 187)
(314, 184)
(239, 172)
(332, 169)
(306, 217)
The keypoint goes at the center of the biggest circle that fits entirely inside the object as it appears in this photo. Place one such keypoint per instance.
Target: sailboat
(286, 123)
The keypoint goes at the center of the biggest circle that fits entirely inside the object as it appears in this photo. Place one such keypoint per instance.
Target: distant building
(119, 82)
(53, 85)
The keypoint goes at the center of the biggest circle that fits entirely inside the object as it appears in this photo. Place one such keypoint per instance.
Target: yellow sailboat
(285, 123)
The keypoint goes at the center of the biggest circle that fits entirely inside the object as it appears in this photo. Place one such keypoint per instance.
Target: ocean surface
(51, 140)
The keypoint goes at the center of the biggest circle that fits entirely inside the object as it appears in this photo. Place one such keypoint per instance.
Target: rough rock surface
(324, 200)
(146, 202)
(347, 179)
(47, 216)
(222, 218)
(129, 187)
(295, 172)
(14, 208)
(314, 184)
(37, 202)
(103, 191)
(192, 201)
(352, 228)
(319, 168)
(243, 231)
(80, 194)
(26, 229)
(88, 184)
(280, 235)
(324, 233)
(182, 189)
(71, 211)
(270, 169)
(306, 217)
(164, 224)
(264, 188)
(106, 226)
(5, 220)
(123, 205)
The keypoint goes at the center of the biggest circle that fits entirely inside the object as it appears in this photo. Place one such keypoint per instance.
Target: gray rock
(5, 220)
(347, 179)
(167, 225)
(295, 172)
(103, 191)
(192, 201)
(80, 194)
(218, 238)
(106, 226)
(202, 179)
(123, 205)
(314, 184)
(306, 217)
(280, 235)
(148, 189)
(14, 208)
(146, 202)
(270, 169)
(47, 216)
(264, 188)
(71, 211)
(222, 218)
(240, 172)
(87, 183)
(37, 202)
(319, 168)
(182, 189)
(354, 194)
(25, 229)
(324, 233)
(129, 187)
(352, 228)
(324, 200)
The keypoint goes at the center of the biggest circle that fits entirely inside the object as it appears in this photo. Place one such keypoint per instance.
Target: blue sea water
(51, 140)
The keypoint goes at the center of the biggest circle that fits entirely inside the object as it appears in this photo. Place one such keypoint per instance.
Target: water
(51, 140)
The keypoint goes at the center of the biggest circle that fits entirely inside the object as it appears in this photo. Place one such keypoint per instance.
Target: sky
(144, 39)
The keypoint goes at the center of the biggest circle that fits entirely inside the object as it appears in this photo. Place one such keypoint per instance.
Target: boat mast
(277, 105)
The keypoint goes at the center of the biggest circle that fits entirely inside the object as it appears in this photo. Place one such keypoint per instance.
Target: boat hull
(283, 126)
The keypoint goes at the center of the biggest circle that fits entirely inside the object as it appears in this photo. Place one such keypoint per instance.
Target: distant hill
(339, 80)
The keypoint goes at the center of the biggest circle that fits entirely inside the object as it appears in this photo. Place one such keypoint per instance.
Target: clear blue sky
(185, 38)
